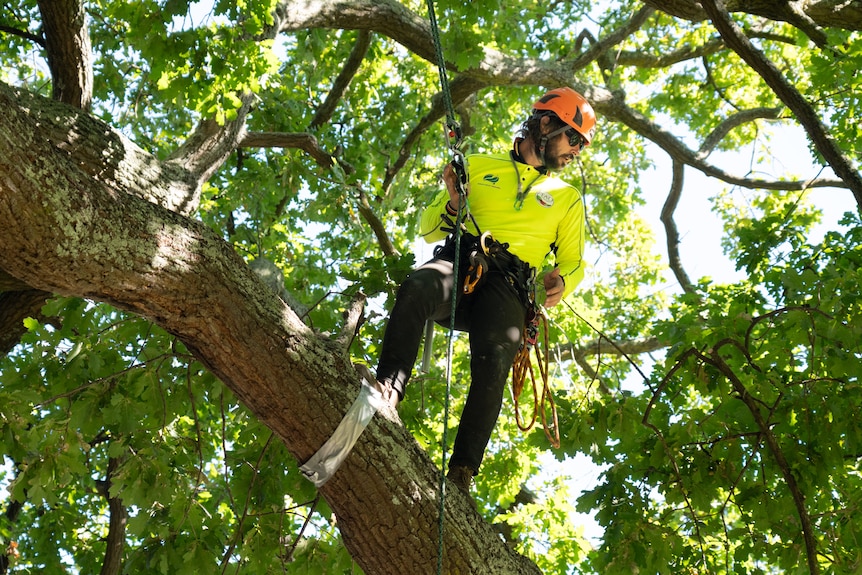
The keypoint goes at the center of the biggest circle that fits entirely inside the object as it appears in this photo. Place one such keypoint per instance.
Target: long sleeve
(432, 220)
(570, 246)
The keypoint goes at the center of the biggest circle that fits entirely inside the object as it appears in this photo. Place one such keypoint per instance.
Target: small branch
(461, 88)
(608, 41)
(582, 362)
(23, 34)
(602, 345)
(643, 60)
(354, 317)
(673, 241)
(367, 213)
(242, 516)
(342, 82)
(777, 453)
(734, 121)
(788, 94)
(669, 453)
(302, 140)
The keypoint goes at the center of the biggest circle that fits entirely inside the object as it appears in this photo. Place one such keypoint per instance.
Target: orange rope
(520, 367)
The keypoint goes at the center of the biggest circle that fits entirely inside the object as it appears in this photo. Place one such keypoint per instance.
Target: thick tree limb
(66, 232)
(67, 42)
(118, 516)
(208, 147)
(386, 17)
(107, 155)
(823, 13)
(791, 97)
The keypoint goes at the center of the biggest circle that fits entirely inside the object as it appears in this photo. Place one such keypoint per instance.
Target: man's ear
(544, 127)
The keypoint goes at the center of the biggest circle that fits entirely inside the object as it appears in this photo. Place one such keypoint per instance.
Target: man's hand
(554, 286)
(450, 178)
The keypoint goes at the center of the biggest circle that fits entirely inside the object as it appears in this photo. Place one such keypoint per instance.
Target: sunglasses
(575, 139)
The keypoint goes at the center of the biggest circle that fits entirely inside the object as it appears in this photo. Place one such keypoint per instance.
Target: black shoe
(462, 476)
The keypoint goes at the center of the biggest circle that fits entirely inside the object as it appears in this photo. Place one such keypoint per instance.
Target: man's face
(559, 152)
(562, 147)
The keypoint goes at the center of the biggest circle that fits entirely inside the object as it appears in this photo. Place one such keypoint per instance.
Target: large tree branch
(791, 97)
(67, 233)
(107, 155)
(386, 17)
(823, 13)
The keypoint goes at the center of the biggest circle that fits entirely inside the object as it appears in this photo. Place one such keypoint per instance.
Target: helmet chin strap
(540, 150)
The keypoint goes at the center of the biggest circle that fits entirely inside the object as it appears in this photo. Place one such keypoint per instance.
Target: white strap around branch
(331, 454)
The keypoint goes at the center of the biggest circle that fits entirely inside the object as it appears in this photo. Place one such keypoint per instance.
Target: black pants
(494, 317)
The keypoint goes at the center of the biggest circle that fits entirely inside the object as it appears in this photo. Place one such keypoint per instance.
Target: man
(531, 216)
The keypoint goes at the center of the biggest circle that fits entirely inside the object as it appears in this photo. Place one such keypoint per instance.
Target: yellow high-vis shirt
(551, 216)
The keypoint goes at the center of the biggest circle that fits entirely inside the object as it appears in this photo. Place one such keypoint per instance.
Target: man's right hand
(450, 178)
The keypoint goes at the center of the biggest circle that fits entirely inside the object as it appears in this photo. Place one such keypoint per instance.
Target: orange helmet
(571, 108)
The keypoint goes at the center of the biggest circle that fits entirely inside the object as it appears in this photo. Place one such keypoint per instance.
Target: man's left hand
(554, 286)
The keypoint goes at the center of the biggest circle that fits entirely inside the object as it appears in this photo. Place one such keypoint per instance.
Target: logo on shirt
(491, 178)
(545, 199)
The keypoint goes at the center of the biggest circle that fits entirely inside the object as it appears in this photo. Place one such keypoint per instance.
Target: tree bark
(67, 42)
(67, 231)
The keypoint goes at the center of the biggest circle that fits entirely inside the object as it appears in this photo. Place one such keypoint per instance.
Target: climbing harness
(536, 321)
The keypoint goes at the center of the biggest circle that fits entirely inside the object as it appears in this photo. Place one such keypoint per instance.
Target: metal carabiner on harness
(479, 262)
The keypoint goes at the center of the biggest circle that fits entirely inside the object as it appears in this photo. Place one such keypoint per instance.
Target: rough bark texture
(67, 232)
(825, 13)
(67, 38)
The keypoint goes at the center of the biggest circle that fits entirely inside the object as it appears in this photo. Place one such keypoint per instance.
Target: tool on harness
(478, 256)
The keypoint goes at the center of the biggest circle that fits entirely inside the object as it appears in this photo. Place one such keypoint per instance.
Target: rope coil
(523, 366)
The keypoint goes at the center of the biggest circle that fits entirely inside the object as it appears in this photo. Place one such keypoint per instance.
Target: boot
(461, 476)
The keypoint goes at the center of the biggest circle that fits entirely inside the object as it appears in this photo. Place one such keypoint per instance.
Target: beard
(554, 158)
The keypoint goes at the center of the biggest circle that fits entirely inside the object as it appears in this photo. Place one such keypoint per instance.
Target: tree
(160, 161)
